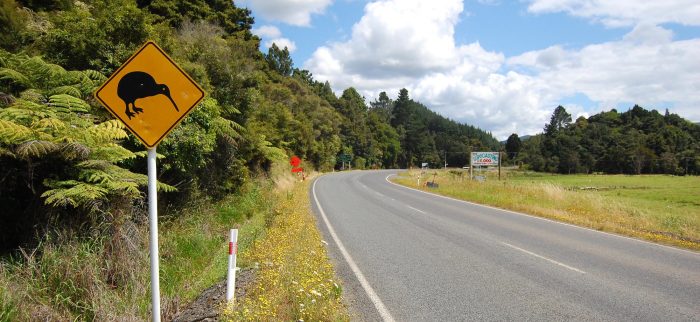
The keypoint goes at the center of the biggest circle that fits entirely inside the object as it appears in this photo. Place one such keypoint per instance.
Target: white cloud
(402, 43)
(645, 67)
(272, 35)
(618, 13)
(267, 32)
(293, 12)
(281, 43)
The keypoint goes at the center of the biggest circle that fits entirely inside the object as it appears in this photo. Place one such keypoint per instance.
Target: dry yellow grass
(551, 200)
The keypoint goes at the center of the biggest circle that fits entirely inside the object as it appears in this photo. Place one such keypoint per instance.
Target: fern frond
(33, 95)
(13, 133)
(270, 152)
(66, 89)
(25, 113)
(15, 78)
(95, 176)
(72, 193)
(95, 164)
(95, 76)
(75, 150)
(165, 187)
(48, 125)
(126, 187)
(65, 103)
(36, 149)
(74, 76)
(108, 131)
(112, 153)
(51, 75)
(6, 152)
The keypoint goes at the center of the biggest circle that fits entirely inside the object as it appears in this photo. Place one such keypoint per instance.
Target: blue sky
(499, 65)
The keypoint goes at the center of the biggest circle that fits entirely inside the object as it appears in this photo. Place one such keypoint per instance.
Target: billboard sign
(484, 158)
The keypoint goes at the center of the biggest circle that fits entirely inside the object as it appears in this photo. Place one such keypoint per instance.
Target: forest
(67, 163)
(637, 141)
(64, 158)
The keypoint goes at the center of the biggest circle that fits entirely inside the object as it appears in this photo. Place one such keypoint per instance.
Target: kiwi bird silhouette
(135, 85)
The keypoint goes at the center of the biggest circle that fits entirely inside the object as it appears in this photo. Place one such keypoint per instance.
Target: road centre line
(544, 219)
(378, 304)
(418, 210)
(545, 258)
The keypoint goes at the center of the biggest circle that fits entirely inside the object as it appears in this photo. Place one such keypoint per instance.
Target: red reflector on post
(230, 248)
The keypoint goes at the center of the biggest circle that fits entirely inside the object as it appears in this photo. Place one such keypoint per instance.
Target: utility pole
(445, 159)
(499, 165)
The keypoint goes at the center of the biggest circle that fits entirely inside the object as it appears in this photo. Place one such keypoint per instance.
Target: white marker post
(153, 223)
(231, 277)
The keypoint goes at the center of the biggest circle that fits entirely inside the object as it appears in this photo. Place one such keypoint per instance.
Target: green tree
(279, 60)
(560, 119)
(513, 145)
(383, 106)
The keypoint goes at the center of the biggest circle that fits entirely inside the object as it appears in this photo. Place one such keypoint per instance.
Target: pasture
(659, 208)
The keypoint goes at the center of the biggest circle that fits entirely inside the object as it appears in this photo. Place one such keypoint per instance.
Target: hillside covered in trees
(637, 141)
(65, 160)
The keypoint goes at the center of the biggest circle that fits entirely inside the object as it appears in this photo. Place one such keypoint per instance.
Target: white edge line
(545, 258)
(545, 219)
(383, 311)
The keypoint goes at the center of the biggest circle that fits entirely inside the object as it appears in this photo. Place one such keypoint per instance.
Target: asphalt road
(406, 255)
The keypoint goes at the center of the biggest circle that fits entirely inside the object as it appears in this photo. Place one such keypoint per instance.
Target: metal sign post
(153, 227)
(136, 94)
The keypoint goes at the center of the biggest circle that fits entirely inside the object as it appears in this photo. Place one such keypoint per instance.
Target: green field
(660, 208)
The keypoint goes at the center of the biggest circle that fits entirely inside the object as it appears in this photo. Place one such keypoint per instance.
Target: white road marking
(545, 219)
(418, 210)
(378, 304)
(545, 258)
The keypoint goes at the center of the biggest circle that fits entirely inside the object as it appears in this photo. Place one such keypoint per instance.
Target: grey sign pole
(153, 227)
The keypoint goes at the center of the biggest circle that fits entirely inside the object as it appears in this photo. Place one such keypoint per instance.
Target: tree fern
(50, 121)
(65, 103)
(11, 132)
(35, 149)
(72, 193)
(17, 79)
(66, 89)
(269, 151)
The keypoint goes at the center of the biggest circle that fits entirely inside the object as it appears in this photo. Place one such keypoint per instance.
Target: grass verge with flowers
(106, 279)
(295, 280)
(657, 208)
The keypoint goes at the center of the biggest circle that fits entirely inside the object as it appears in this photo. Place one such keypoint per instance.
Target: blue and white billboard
(484, 158)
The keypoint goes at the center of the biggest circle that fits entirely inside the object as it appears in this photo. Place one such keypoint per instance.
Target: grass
(659, 208)
(106, 277)
(296, 281)
(194, 249)
(69, 278)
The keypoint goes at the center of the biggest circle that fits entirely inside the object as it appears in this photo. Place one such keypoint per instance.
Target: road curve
(406, 255)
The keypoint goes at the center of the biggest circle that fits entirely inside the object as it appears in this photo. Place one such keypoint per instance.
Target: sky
(502, 66)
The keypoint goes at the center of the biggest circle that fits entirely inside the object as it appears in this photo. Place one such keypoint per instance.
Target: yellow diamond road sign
(150, 94)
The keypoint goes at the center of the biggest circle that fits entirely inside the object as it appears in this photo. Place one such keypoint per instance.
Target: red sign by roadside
(295, 161)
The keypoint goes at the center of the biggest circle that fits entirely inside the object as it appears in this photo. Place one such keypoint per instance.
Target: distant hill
(522, 138)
